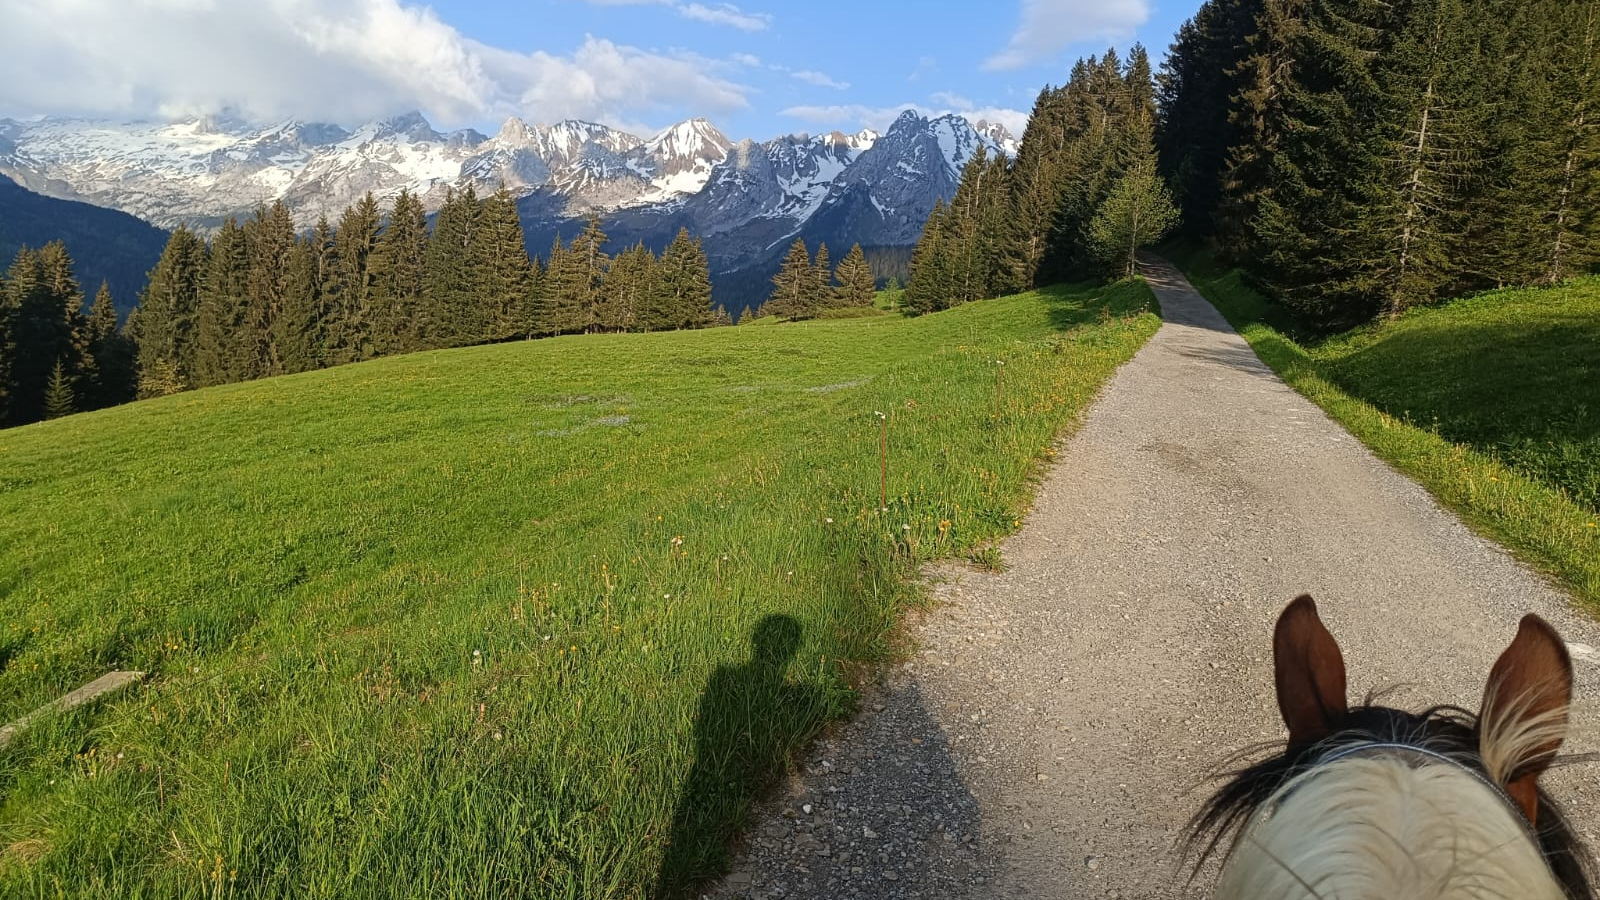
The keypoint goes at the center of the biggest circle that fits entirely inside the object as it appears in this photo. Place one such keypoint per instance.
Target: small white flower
(829, 521)
(477, 653)
(497, 735)
(905, 527)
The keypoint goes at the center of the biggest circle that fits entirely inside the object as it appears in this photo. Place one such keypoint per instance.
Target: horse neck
(1382, 828)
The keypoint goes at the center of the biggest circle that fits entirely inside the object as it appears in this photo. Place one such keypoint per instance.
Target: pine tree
(930, 286)
(448, 291)
(628, 291)
(166, 324)
(351, 305)
(792, 286)
(400, 269)
(220, 340)
(821, 289)
(39, 288)
(503, 272)
(58, 396)
(114, 378)
(857, 287)
(586, 276)
(269, 244)
(1258, 116)
(298, 331)
(1138, 213)
(8, 349)
(682, 284)
(1202, 74)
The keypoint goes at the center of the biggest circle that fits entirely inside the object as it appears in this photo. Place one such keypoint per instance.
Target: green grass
(1492, 402)
(529, 620)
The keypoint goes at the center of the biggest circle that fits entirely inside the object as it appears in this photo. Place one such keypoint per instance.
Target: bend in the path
(1065, 709)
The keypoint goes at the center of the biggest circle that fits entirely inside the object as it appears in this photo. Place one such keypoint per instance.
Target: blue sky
(756, 68)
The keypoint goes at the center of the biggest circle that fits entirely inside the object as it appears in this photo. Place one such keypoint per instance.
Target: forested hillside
(1358, 157)
(110, 246)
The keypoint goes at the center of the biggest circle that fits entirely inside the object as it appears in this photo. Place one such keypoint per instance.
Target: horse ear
(1524, 715)
(1308, 670)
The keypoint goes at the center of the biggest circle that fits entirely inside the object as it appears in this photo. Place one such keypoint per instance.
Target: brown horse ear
(1524, 715)
(1309, 672)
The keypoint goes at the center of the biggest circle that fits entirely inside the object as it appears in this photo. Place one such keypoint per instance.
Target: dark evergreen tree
(793, 286)
(166, 325)
(821, 290)
(931, 281)
(449, 291)
(501, 269)
(683, 284)
(1204, 71)
(114, 374)
(351, 306)
(220, 337)
(59, 399)
(857, 287)
(270, 241)
(628, 292)
(401, 319)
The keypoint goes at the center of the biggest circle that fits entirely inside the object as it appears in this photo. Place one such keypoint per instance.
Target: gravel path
(1046, 739)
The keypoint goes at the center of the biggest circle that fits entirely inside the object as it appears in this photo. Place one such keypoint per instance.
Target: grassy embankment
(480, 623)
(1492, 402)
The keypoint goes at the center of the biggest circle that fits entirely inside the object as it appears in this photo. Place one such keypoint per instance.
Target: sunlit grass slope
(530, 620)
(1492, 402)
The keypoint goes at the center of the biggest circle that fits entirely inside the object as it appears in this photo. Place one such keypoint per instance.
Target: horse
(1373, 803)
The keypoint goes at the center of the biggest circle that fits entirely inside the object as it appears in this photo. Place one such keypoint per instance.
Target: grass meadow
(527, 620)
(1492, 402)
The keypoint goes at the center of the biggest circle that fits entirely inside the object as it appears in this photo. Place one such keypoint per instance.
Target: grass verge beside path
(1489, 402)
(529, 620)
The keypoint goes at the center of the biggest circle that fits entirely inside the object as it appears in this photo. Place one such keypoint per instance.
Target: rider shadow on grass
(750, 723)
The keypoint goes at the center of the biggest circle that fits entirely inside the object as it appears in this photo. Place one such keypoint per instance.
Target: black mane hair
(1446, 730)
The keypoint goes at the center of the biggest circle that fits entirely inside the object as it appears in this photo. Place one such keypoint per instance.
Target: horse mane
(1446, 730)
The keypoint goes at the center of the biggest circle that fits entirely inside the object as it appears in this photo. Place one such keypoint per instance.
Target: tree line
(1080, 197)
(259, 300)
(1357, 157)
(806, 287)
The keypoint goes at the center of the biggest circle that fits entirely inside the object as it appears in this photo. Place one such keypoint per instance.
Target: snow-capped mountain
(747, 200)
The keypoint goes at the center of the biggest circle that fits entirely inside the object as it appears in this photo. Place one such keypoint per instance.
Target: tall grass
(530, 620)
(1490, 402)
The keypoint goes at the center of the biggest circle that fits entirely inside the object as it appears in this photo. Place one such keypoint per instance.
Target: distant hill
(106, 245)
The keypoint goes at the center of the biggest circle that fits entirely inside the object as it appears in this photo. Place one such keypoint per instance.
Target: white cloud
(725, 14)
(820, 80)
(718, 14)
(949, 99)
(746, 59)
(338, 60)
(1050, 26)
(878, 118)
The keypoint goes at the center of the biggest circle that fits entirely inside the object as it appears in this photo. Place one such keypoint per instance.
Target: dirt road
(1046, 739)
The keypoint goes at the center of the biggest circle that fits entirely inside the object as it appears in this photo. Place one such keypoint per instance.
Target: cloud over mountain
(1050, 26)
(336, 60)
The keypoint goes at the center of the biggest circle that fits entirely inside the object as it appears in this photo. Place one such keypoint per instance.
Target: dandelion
(944, 524)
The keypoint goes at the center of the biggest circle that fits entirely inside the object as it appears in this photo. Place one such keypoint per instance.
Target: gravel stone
(1048, 737)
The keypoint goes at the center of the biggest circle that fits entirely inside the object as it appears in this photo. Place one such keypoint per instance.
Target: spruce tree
(929, 288)
(39, 288)
(270, 242)
(8, 349)
(682, 284)
(401, 319)
(166, 324)
(792, 286)
(298, 331)
(220, 339)
(585, 279)
(114, 378)
(821, 289)
(58, 397)
(502, 271)
(448, 288)
(351, 305)
(856, 284)
(628, 288)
